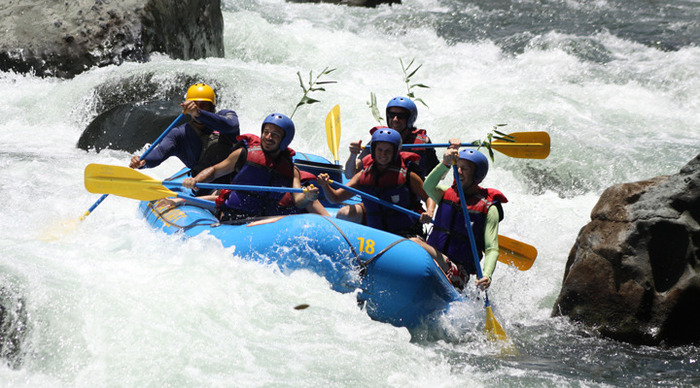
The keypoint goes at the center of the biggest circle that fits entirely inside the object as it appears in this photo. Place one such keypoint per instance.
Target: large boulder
(634, 272)
(65, 38)
(129, 126)
(135, 110)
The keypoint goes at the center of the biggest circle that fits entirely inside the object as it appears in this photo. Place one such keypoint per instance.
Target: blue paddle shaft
(470, 232)
(432, 145)
(162, 135)
(467, 221)
(375, 199)
(97, 203)
(238, 187)
(155, 143)
(437, 145)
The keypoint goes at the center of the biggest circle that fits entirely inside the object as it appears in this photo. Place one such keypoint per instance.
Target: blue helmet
(479, 159)
(405, 103)
(283, 122)
(388, 135)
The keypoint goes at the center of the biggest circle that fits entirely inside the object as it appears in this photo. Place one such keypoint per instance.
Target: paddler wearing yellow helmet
(205, 140)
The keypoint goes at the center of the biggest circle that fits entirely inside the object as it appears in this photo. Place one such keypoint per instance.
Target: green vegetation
(495, 134)
(408, 73)
(312, 87)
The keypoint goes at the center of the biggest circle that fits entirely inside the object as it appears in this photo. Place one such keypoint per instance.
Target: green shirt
(436, 191)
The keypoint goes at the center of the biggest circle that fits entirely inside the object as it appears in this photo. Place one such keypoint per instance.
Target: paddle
(373, 198)
(511, 252)
(492, 327)
(148, 151)
(333, 131)
(516, 253)
(524, 145)
(126, 182)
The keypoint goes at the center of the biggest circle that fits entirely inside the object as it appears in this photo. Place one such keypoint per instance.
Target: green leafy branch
(408, 73)
(495, 134)
(407, 79)
(313, 87)
(372, 103)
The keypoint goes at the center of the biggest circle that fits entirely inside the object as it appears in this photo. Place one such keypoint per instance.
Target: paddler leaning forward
(262, 161)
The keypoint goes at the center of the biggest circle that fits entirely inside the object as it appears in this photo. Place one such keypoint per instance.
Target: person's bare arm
(353, 164)
(224, 167)
(336, 195)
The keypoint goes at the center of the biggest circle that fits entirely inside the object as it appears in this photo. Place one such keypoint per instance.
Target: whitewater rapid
(112, 302)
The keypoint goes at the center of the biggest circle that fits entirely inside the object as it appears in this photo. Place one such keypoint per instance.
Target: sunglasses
(400, 115)
(204, 105)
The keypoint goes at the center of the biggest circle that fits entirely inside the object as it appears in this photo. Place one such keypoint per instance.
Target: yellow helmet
(201, 92)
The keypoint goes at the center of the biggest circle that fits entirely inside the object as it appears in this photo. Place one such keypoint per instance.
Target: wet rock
(63, 39)
(14, 324)
(634, 272)
(129, 126)
(540, 180)
(133, 111)
(149, 86)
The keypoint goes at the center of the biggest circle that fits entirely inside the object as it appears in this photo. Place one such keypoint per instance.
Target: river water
(111, 302)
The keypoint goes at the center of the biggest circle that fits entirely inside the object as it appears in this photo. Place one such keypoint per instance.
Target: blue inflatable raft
(399, 282)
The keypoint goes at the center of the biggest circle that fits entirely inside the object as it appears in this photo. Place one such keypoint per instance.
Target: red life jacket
(391, 185)
(257, 157)
(261, 170)
(420, 136)
(417, 136)
(450, 235)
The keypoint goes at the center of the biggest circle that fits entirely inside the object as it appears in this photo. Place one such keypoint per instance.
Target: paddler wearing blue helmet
(401, 115)
(264, 160)
(449, 242)
(385, 174)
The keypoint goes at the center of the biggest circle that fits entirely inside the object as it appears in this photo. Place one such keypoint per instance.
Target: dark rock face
(14, 324)
(62, 39)
(129, 126)
(634, 271)
(140, 88)
(134, 111)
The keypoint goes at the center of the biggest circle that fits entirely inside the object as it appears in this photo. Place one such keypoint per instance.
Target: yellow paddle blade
(124, 182)
(516, 253)
(527, 145)
(60, 229)
(493, 329)
(333, 131)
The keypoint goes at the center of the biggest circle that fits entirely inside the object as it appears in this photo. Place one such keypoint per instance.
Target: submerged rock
(634, 271)
(129, 126)
(62, 39)
(14, 324)
(133, 111)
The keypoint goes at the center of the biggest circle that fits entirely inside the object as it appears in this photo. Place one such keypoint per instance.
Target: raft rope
(364, 263)
(383, 251)
(347, 240)
(151, 206)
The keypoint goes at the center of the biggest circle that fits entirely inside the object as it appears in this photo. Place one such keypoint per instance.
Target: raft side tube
(403, 286)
